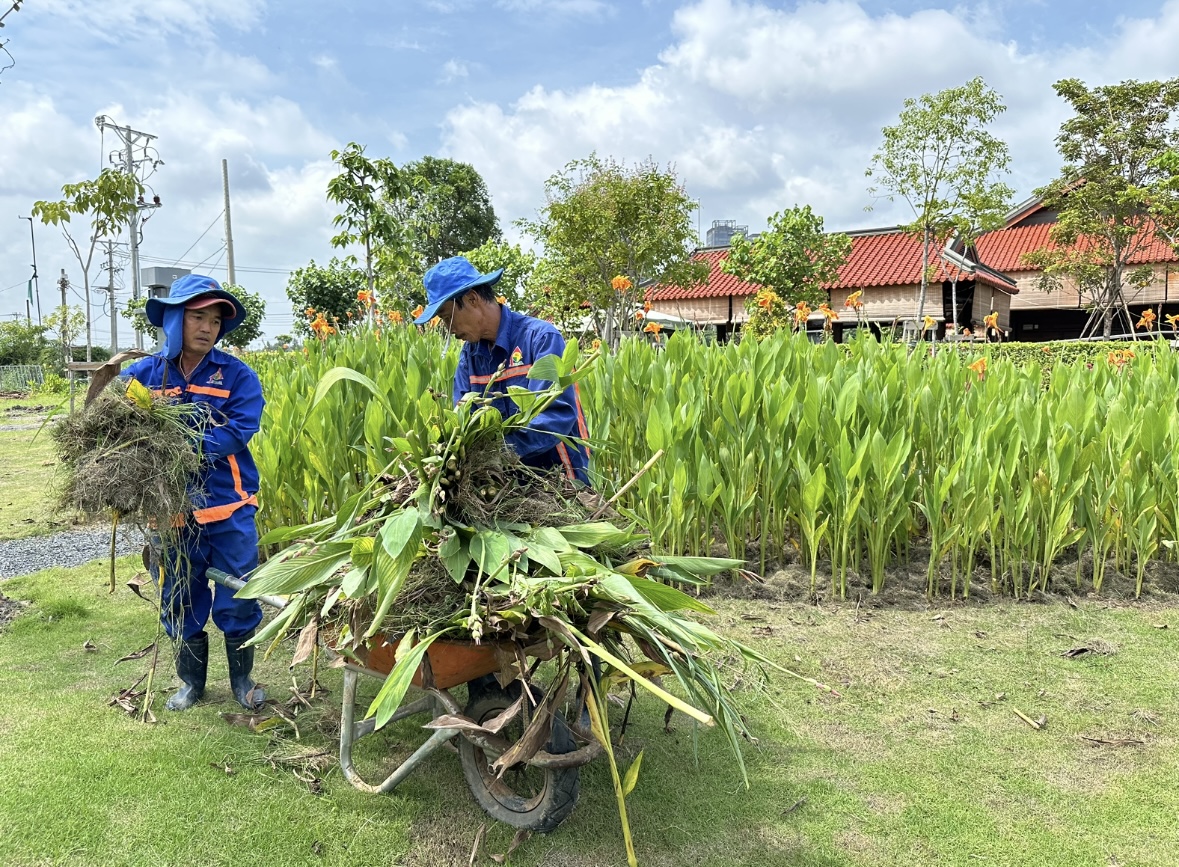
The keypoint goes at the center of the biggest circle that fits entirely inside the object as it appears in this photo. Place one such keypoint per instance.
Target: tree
(603, 220)
(361, 188)
(330, 290)
(794, 257)
(942, 161)
(68, 322)
(22, 343)
(110, 202)
(445, 207)
(1119, 186)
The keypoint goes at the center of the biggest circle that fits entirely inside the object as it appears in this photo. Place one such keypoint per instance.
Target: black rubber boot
(192, 666)
(241, 663)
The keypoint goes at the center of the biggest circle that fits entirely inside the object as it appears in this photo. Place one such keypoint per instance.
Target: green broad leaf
(549, 538)
(401, 444)
(632, 775)
(283, 535)
(548, 369)
(702, 566)
(391, 574)
(341, 374)
(281, 577)
(666, 598)
(676, 576)
(525, 399)
(276, 629)
(594, 534)
(400, 530)
(455, 556)
(362, 551)
(353, 583)
(489, 550)
(409, 659)
(544, 556)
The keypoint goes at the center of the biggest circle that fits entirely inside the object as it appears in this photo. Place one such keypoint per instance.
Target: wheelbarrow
(536, 794)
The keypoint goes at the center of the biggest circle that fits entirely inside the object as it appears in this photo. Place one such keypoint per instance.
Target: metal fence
(16, 377)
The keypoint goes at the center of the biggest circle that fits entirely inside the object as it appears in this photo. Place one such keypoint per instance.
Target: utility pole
(228, 224)
(36, 278)
(110, 290)
(133, 139)
(64, 283)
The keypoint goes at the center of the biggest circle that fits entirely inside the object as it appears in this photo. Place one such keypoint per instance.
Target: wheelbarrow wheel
(534, 799)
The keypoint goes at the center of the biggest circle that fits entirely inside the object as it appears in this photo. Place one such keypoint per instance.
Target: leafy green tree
(943, 162)
(603, 220)
(22, 343)
(1118, 187)
(361, 188)
(68, 322)
(445, 207)
(110, 203)
(794, 256)
(331, 291)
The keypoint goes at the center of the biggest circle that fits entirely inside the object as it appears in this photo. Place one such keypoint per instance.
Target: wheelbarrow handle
(235, 584)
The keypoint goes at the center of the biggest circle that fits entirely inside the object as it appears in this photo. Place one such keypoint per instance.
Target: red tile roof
(888, 258)
(893, 258)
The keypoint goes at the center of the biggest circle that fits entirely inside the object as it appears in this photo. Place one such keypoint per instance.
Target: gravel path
(71, 548)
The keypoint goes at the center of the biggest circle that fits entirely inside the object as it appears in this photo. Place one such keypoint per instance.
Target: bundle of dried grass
(129, 453)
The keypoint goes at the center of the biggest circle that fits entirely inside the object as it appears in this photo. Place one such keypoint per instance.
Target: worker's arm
(559, 418)
(231, 424)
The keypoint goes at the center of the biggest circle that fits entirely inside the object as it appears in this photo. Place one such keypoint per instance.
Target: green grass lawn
(27, 466)
(920, 761)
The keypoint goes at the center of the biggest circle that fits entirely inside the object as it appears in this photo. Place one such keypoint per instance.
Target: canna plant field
(854, 457)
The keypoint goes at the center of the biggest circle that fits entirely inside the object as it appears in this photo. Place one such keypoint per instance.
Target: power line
(182, 264)
(194, 243)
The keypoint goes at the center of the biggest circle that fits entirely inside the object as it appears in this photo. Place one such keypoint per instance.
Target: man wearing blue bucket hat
(502, 344)
(220, 531)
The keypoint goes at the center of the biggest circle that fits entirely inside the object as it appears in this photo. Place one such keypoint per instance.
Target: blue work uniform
(220, 531)
(521, 340)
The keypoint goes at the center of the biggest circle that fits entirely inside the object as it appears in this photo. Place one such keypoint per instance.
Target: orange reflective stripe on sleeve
(237, 477)
(220, 513)
(480, 380)
(513, 372)
(564, 453)
(211, 392)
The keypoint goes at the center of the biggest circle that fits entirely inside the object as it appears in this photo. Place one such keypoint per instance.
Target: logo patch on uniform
(517, 357)
(216, 378)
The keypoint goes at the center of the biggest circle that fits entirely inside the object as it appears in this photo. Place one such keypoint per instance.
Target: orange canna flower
(991, 321)
(500, 299)
(395, 316)
(349, 314)
(435, 322)
(595, 344)
(417, 311)
(1047, 350)
(365, 297)
(647, 306)
(853, 301)
(929, 323)
(827, 312)
(1173, 321)
(621, 283)
(653, 328)
(1146, 320)
(310, 311)
(980, 367)
(639, 314)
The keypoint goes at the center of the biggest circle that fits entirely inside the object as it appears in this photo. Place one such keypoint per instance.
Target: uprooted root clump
(119, 456)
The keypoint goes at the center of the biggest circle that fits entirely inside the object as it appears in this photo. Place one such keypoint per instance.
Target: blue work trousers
(230, 545)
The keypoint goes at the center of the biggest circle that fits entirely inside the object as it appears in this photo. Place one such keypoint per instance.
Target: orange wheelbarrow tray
(541, 803)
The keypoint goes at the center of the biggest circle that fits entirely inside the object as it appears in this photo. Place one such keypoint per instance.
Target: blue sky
(758, 105)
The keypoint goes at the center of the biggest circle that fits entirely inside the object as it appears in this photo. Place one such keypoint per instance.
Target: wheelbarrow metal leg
(350, 732)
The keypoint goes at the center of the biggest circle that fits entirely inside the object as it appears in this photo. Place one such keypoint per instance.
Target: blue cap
(449, 279)
(188, 288)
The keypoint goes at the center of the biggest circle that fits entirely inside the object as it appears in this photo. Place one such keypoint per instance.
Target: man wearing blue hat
(502, 344)
(220, 531)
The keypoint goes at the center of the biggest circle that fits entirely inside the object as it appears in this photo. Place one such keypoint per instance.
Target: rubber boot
(241, 663)
(192, 665)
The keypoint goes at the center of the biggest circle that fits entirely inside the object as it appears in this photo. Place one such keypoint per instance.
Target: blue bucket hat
(450, 278)
(168, 313)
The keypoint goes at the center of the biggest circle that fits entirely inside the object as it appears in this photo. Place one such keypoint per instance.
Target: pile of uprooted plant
(458, 540)
(130, 455)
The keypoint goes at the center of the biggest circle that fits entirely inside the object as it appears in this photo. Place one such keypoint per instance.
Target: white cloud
(558, 7)
(760, 108)
(325, 62)
(115, 22)
(453, 69)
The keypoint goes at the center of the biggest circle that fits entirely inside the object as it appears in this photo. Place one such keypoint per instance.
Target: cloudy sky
(758, 105)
